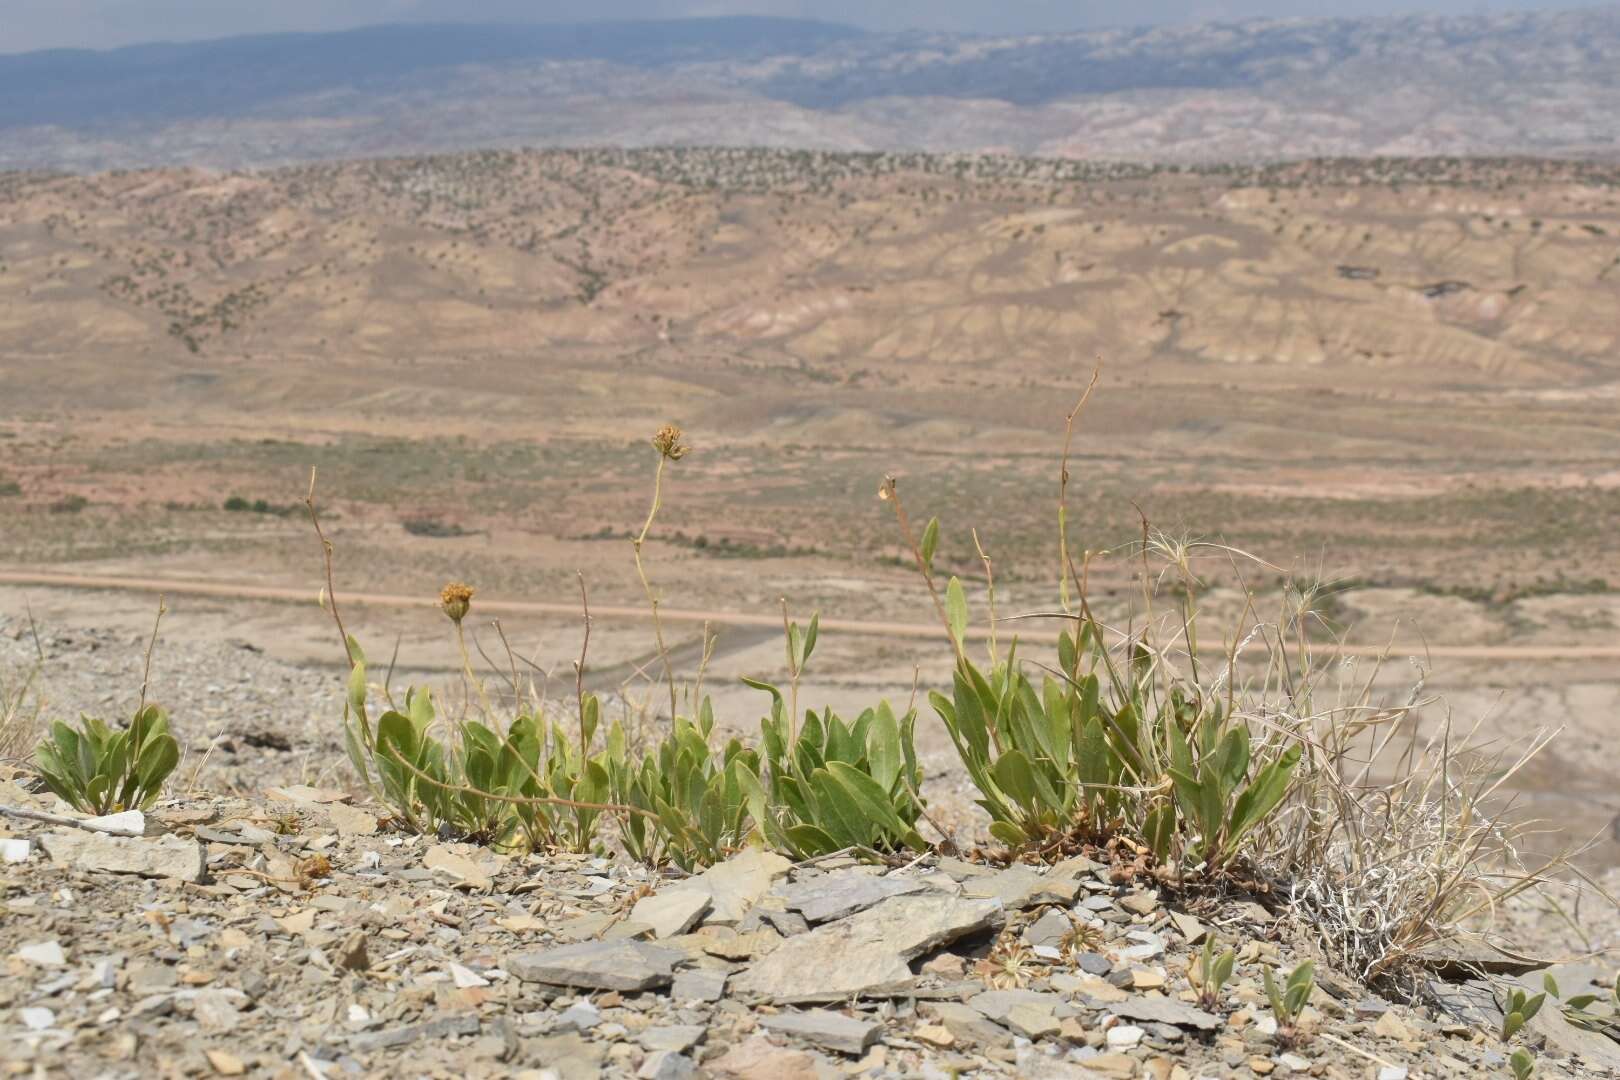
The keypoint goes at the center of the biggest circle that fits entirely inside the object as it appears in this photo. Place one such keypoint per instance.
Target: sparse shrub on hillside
(432, 528)
(1267, 765)
(236, 504)
(69, 504)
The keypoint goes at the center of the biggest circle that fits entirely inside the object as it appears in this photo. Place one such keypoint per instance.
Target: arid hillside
(1408, 369)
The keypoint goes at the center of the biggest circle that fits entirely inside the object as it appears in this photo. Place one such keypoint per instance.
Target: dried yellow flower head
(455, 598)
(668, 442)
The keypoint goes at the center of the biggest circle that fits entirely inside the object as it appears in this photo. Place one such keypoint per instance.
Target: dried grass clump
(20, 707)
(1418, 846)
(1392, 838)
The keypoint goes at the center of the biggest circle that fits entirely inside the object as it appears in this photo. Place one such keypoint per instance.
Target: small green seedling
(1212, 974)
(1523, 1064)
(1289, 1002)
(105, 770)
(1521, 1009)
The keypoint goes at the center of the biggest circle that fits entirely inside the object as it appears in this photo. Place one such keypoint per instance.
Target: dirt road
(243, 591)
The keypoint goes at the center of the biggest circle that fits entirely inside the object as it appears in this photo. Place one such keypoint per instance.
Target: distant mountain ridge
(1545, 83)
(77, 87)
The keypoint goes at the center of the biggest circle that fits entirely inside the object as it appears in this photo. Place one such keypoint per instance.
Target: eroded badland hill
(1387, 362)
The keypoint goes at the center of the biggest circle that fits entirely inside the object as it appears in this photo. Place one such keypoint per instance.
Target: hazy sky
(39, 24)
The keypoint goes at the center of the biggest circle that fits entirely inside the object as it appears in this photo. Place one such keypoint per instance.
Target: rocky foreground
(300, 936)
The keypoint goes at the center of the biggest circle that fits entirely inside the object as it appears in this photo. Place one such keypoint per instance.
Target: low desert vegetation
(1259, 764)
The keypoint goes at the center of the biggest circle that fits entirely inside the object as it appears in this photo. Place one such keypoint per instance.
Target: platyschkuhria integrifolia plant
(670, 448)
(455, 600)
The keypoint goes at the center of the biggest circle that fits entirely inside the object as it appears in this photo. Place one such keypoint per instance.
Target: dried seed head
(455, 598)
(668, 442)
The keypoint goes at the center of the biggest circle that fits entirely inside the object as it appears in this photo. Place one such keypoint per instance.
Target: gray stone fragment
(677, 1038)
(997, 1005)
(1075, 867)
(42, 954)
(1032, 1021)
(835, 896)
(568, 1056)
(1140, 903)
(167, 856)
(1152, 1010)
(578, 1017)
(786, 923)
(962, 870)
(599, 965)
(1466, 956)
(1191, 929)
(736, 885)
(698, 984)
(673, 912)
(1050, 929)
(666, 1065)
(1469, 1003)
(828, 1030)
(966, 1024)
(454, 1024)
(215, 1012)
(1095, 963)
(867, 953)
(1015, 886)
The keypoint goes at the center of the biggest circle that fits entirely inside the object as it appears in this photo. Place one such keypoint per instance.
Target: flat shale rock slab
(166, 856)
(599, 965)
(867, 953)
(1151, 1010)
(828, 1030)
(837, 896)
(736, 885)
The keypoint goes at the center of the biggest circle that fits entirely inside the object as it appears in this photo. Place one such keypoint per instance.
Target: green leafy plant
(697, 798)
(1106, 744)
(1212, 973)
(1523, 1064)
(530, 786)
(1520, 1010)
(1098, 750)
(1289, 1001)
(1213, 785)
(104, 770)
(829, 785)
(839, 785)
